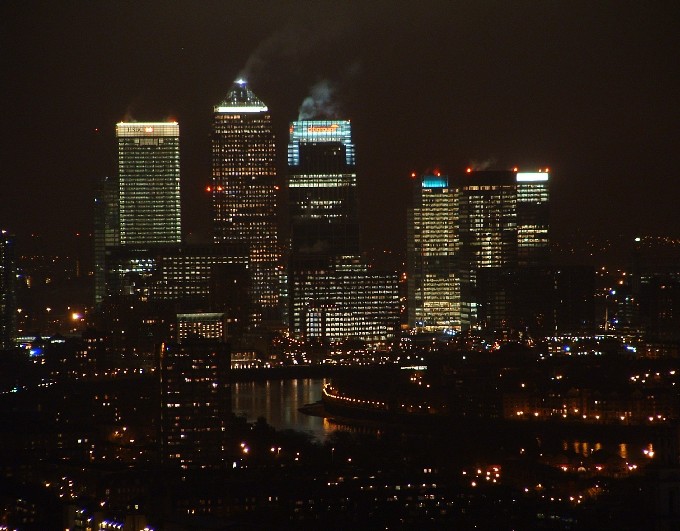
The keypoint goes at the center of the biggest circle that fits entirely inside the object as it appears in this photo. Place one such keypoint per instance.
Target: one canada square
(243, 190)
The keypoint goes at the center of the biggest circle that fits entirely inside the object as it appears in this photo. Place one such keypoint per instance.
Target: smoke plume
(482, 165)
(283, 46)
(320, 103)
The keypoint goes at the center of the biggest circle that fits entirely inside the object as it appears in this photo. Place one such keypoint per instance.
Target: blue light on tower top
(435, 181)
(313, 131)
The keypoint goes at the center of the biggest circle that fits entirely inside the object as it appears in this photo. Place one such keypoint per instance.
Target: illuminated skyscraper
(243, 190)
(486, 210)
(333, 295)
(322, 184)
(433, 283)
(536, 295)
(533, 218)
(478, 252)
(7, 290)
(148, 182)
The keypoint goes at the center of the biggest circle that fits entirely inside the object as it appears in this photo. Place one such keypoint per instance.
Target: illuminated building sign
(532, 177)
(322, 129)
(126, 129)
(311, 131)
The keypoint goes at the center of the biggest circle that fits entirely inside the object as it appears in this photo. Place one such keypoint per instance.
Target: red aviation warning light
(469, 170)
(208, 189)
(515, 169)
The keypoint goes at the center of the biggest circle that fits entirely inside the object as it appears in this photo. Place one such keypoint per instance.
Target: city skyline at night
(409, 265)
(587, 89)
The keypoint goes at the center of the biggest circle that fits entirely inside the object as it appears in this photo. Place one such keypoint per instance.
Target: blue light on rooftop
(431, 181)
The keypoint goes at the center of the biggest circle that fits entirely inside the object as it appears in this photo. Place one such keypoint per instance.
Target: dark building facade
(188, 276)
(8, 274)
(322, 191)
(195, 403)
(486, 212)
(148, 286)
(106, 231)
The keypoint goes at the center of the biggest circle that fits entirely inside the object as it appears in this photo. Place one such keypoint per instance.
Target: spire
(241, 99)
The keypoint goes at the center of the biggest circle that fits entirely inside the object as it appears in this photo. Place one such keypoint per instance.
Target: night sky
(590, 89)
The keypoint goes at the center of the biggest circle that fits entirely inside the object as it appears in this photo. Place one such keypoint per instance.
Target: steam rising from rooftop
(320, 103)
(486, 164)
(283, 46)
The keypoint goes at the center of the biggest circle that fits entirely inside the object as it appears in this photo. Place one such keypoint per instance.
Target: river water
(278, 402)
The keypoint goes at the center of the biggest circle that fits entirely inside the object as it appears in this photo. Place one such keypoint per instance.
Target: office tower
(478, 252)
(535, 300)
(432, 247)
(322, 185)
(148, 182)
(195, 403)
(487, 230)
(243, 190)
(7, 290)
(106, 231)
(333, 295)
(345, 300)
(533, 218)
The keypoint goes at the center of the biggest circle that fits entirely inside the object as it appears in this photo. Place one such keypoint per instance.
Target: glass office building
(478, 251)
(322, 187)
(243, 190)
(533, 218)
(346, 300)
(432, 246)
(106, 231)
(333, 294)
(148, 182)
(486, 211)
